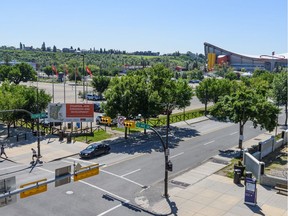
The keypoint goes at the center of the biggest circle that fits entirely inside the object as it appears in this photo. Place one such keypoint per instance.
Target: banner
(60, 112)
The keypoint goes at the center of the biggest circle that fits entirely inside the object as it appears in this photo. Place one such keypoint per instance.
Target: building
(217, 55)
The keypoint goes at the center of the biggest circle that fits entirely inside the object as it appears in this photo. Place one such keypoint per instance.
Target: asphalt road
(128, 170)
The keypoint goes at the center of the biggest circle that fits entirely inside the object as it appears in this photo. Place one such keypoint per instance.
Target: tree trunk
(241, 129)
(145, 121)
(206, 108)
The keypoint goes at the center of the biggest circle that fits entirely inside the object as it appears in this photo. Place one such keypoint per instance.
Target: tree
(211, 89)
(245, 105)
(27, 73)
(280, 92)
(100, 84)
(21, 47)
(231, 76)
(54, 49)
(43, 47)
(14, 96)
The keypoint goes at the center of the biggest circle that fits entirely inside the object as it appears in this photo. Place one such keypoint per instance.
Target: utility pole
(83, 78)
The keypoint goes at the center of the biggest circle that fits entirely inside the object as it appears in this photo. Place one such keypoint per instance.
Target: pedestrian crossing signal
(129, 124)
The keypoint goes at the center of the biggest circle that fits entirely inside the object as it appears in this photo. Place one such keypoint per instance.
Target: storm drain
(179, 183)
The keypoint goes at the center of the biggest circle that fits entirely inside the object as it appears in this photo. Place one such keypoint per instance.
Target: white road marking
(122, 177)
(93, 186)
(131, 172)
(13, 166)
(233, 133)
(177, 155)
(209, 142)
(109, 210)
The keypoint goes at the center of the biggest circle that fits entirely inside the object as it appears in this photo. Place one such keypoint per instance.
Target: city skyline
(246, 27)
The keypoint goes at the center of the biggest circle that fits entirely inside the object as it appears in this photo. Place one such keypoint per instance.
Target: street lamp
(83, 77)
(38, 128)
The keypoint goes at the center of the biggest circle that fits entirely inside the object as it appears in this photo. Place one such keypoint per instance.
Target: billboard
(60, 112)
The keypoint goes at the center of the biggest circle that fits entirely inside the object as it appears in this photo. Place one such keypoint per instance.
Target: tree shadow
(137, 142)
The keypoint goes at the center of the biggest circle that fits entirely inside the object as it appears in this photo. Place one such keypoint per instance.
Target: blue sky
(245, 26)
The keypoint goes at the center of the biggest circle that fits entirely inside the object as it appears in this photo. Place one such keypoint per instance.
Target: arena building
(217, 55)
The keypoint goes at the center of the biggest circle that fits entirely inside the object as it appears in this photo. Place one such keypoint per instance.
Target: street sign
(38, 115)
(7, 185)
(60, 173)
(142, 125)
(85, 172)
(35, 190)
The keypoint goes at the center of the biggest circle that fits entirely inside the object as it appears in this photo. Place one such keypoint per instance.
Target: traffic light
(169, 166)
(105, 120)
(129, 124)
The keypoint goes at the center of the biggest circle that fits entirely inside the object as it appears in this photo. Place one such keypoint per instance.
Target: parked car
(97, 107)
(94, 97)
(98, 120)
(94, 150)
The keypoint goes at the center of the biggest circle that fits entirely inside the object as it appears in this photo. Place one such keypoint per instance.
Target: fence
(156, 122)
(270, 145)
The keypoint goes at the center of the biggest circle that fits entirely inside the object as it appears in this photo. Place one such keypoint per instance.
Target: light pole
(38, 128)
(83, 78)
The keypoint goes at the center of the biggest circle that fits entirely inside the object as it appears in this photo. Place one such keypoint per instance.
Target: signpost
(6, 185)
(143, 125)
(61, 172)
(38, 115)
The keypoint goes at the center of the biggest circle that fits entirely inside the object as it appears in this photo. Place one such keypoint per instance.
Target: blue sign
(250, 191)
(78, 124)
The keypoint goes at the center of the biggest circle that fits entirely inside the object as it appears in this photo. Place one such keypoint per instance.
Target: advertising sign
(250, 191)
(61, 112)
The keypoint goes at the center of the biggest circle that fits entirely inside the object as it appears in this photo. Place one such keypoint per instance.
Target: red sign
(79, 110)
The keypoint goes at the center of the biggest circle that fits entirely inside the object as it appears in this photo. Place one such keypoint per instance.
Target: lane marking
(91, 185)
(109, 210)
(107, 172)
(131, 172)
(177, 155)
(209, 142)
(13, 166)
(233, 133)
(123, 178)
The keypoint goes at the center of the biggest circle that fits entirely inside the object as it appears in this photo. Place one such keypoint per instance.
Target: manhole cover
(181, 184)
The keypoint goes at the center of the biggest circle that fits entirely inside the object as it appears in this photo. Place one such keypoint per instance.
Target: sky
(254, 27)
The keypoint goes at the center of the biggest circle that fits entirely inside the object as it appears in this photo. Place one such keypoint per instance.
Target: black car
(95, 150)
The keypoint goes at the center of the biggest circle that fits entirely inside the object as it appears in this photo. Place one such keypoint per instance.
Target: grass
(98, 136)
(228, 171)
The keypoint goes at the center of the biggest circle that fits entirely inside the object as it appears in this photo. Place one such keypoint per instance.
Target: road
(129, 169)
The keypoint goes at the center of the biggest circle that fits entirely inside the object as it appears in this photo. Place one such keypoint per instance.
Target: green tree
(231, 76)
(211, 89)
(54, 49)
(27, 73)
(280, 92)
(100, 84)
(43, 47)
(245, 105)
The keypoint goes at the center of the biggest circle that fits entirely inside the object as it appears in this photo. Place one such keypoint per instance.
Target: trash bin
(237, 176)
(248, 174)
(61, 136)
(69, 138)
